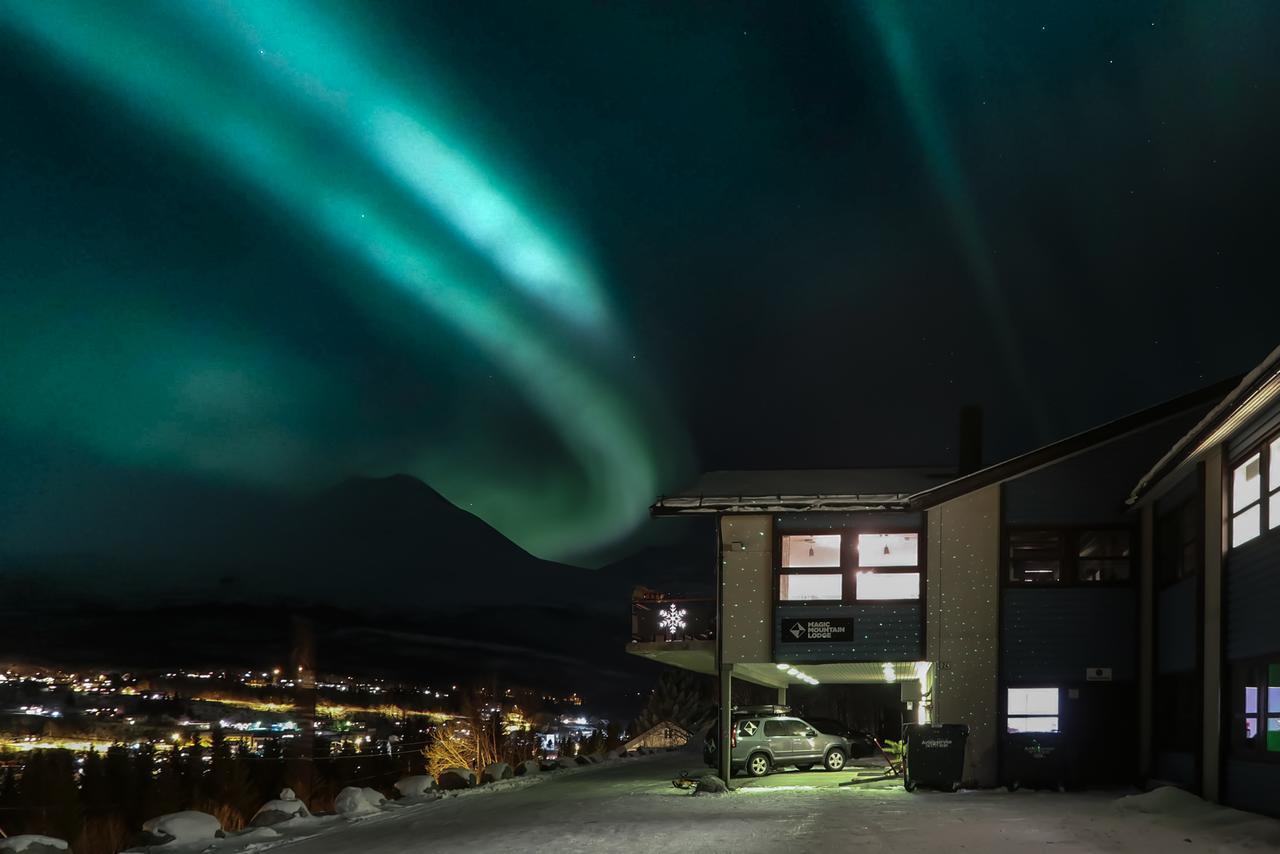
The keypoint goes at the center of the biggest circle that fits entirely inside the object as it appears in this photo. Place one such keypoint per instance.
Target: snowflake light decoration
(672, 619)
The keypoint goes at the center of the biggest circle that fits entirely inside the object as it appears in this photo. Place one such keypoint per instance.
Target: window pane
(1250, 728)
(1250, 701)
(888, 585)
(1273, 512)
(1035, 555)
(1273, 735)
(802, 588)
(775, 727)
(1097, 544)
(794, 726)
(888, 549)
(1040, 724)
(1273, 469)
(1273, 689)
(1107, 569)
(1033, 701)
(806, 550)
(1034, 570)
(1246, 526)
(1246, 482)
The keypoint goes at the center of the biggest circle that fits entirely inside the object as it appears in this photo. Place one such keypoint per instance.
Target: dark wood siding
(1176, 627)
(1252, 598)
(889, 632)
(1054, 635)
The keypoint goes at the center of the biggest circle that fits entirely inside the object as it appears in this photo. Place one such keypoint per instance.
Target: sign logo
(749, 728)
(831, 630)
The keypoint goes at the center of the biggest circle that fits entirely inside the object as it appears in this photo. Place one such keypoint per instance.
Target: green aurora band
(295, 105)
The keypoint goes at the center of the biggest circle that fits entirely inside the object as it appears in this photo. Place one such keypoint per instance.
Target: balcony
(673, 629)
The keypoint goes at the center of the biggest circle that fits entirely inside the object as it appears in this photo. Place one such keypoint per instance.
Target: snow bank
(180, 828)
(1174, 807)
(496, 772)
(419, 784)
(529, 766)
(283, 808)
(355, 802)
(32, 843)
(457, 778)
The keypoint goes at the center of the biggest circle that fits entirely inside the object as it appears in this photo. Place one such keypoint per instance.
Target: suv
(762, 740)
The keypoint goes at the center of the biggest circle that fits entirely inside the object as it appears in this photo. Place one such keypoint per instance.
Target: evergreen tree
(680, 696)
(121, 774)
(613, 736)
(49, 794)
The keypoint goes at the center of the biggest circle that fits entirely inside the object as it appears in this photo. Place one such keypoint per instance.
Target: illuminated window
(811, 587)
(1035, 556)
(1103, 555)
(1033, 710)
(879, 586)
(1273, 708)
(1273, 484)
(1246, 500)
(888, 550)
(802, 551)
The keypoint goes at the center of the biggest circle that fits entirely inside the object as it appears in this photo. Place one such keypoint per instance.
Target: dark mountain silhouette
(396, 578)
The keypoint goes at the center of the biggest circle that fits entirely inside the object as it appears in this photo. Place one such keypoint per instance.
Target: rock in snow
(495, 772)
(457, 778)
(31, 843)
(419, 784)
(710, 784)
(353, 802)
(529, 766)
(182, 827)
(285, 807)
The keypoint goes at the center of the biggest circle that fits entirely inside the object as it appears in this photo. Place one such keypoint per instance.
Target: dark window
(1035, 556)
(1176, 712)
(783, 726)
(1102, 555)
(1178, 542)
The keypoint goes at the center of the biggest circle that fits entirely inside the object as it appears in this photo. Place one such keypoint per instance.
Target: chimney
(969, 446)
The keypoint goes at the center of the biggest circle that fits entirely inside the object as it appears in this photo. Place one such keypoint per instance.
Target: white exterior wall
(963, 623)
(746, 588)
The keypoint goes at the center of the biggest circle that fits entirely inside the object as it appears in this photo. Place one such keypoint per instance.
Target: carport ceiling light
(791, 671)
(783, 666)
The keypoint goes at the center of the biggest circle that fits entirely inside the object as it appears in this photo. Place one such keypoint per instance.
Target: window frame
(1007, 714)
(1069, 551)
(849, 565)
(1189, 536)
(1266, 450)
(1252, 672)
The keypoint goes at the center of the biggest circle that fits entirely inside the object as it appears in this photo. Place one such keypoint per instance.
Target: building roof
(800, 490)
(907, 488)
(1258, 388)
(1070, 446)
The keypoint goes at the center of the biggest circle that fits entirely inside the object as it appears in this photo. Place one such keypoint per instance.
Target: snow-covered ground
(630, 805)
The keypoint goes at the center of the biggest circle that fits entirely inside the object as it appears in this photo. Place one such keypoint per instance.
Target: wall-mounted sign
(825, 630)
(1098, 674)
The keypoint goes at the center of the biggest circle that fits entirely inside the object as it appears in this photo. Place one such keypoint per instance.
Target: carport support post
(782, 695)
(725, 723)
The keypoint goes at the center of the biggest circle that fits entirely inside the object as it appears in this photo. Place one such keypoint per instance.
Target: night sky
(555, 258)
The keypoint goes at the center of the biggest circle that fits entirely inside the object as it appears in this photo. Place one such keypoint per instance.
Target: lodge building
(1113, 587)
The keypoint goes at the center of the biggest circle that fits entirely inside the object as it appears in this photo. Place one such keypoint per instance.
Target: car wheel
(805, 767)
(757, 765)
(834, 760)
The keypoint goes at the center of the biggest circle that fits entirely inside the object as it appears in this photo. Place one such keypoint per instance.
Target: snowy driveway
(632, 806)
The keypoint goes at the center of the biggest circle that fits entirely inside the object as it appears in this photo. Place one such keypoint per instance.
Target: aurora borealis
(296, 106)
(552, 259)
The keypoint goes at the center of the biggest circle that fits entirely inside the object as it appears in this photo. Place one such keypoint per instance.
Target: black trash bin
(1034, 760)
(934, 755)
